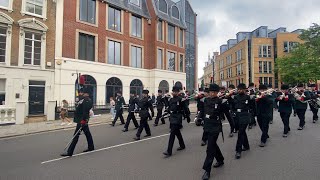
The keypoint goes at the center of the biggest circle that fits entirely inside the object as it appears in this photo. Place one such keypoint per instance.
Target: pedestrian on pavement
(264, 113)
(131, 110)
(212, 126)
(177, 109)
(160, 103)
(301, 105)
(243, 105)
(112, 108)
(64, 113)
(144, 105)
(119, 109)
(81, 117)
(286, 105)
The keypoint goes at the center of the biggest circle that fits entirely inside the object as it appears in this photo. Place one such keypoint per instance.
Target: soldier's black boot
(206, 176)
(181, 148)
(65, 154)
(124, 130)
(136, 138)
(166, 154)
(238, 155)
(203, 143)
(231, 134)
(218, 164)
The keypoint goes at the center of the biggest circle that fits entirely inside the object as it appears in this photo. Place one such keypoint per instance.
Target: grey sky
(220, 20)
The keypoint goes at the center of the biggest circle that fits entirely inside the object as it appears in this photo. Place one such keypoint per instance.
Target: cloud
(220, 20)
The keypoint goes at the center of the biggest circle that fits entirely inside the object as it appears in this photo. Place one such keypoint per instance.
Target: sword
(78, 132)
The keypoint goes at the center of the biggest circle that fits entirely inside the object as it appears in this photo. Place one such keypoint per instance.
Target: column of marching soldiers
(243, 107)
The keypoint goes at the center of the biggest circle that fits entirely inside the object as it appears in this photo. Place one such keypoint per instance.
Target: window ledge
(7, 8)
(32, 14)
(114, 31)
(140, 38)
(87, 23)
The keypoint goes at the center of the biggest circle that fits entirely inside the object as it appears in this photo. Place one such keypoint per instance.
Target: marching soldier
(232, 93)
(144, 104)
(81, 117)
(264, 113)
(252, 93)
(301, 105)
(177, 109)
(212, 126)
(131, 110)
(286, 104)
(242, 105)
(204, 134)
(119, 109)
(225, 107)
(314, 96)
(160, 104)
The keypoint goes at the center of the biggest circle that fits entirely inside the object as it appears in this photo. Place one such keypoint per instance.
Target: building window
(114, 52)
(171, 57)
(3, 44)
(260, 66)
(265, 67)
(32, 48)
(270, 81)
(171, 34)
(163, 7)
(160, 32)
(136, 26)
(159, 58)
(35, 6)
(114, 19)
(221, 65)
(269, 67)
(86, 47)
(239, 55)
(181, 63)
(175, 12)
(229, 59)
(136, 57)
(135, 2)
(288, 46)
(229, 72)
(4, 3)
(221, 75)
(88, 11)
(239, 69)
(181, 38)
(264, 51)
(2, 91)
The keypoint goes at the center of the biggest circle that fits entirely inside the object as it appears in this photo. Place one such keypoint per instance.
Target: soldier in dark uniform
(131, 110)
(119, 109)
(151, 101)
(252, 93)
(314, 95)
(160, 103)
(225, 107)
(264, 113)
(286, 103)
(232, 92)
(204, 134)
(274, 95)
(301, 105)
(199, 98)
(144, 105)
(242, 105)
(81, 117)
(212, 126)
(177, 109)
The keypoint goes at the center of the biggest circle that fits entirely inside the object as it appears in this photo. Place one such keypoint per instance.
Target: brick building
(252, 56)
(119, 45)
(27, 42)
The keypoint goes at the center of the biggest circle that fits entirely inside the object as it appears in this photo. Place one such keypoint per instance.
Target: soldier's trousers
(230, 120)
(87, 133)
(253, 120)
(301, 113)
(213, 151)
(134, 120)
(175, 131)
(144, 125)
(159, 116)
(242, 138)
(315, 112)
(285, 119)
(204, 136)
(118, 115)
(264, 126)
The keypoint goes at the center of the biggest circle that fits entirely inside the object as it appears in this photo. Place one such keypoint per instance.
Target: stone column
(20, 112)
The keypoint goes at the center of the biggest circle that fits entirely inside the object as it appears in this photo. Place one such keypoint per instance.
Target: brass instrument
(298, 96)
(267, 92)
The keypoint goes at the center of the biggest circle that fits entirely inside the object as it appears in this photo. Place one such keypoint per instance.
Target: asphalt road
(36, 157)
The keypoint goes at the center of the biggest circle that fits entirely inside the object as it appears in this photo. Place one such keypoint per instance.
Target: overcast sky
(220, 20)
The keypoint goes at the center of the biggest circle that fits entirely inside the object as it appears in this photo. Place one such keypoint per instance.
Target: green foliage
(303, 64)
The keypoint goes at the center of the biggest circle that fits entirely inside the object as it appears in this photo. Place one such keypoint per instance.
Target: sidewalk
(47, 126)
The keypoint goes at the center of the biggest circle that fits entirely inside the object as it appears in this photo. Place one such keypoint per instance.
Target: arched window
(175, 12)
(163, 6)
(5, 38)
(113, 85)
(178, 84)
(136, 86)
(91, 84)
(163, 86)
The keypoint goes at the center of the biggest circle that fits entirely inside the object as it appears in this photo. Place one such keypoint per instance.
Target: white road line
(111, 147)
(107, 148)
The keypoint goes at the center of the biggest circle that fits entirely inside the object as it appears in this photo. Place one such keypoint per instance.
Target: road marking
(103, 149)
(111, 147)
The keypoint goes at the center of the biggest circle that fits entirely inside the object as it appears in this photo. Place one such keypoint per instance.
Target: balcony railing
(7, 115)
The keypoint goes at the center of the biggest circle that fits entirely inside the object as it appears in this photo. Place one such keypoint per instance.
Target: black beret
(175, 89)
(145, 92)
(284, 87)
(222, 88)
(300, 85)
(262, 87)
(242, 86)
(206, 90)
(251, 84)
(159, 91)
(232, 86)
(214, 87)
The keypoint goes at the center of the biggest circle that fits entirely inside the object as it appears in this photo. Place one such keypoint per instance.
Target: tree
(303, 64)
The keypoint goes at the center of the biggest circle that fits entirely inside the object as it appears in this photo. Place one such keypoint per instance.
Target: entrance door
(36, 97)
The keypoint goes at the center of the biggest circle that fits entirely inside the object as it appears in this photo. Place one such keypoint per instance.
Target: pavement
(118, 157)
